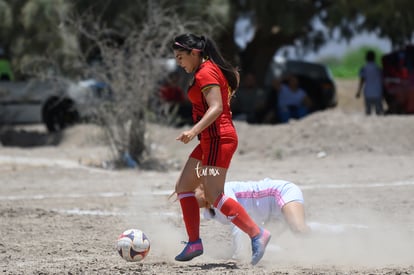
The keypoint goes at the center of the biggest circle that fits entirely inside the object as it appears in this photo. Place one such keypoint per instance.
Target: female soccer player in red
(215, 81)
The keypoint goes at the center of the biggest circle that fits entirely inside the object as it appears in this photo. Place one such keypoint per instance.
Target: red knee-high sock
(237, 215)
(191, 215)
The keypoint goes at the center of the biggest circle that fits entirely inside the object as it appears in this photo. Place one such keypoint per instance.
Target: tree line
(31, 28)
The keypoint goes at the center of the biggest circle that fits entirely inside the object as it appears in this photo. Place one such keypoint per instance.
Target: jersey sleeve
(207, 77)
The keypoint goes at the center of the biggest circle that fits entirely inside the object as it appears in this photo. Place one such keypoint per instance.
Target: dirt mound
(332, 131)
(329, 132)
(83, 135)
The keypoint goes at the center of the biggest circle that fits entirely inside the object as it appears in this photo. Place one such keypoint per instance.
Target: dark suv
(315, 78)
(398, 72)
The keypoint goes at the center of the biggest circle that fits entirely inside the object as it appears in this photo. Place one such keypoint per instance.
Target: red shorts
(216, 151)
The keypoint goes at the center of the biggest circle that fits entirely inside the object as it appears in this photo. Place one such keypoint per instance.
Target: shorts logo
(202, 172)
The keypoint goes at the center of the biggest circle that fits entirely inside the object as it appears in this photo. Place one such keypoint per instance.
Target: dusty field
(61, 215)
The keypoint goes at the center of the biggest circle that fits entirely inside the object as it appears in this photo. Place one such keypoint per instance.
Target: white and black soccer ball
(133, 245)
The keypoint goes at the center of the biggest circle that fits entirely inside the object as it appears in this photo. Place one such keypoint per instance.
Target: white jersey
(263, 200)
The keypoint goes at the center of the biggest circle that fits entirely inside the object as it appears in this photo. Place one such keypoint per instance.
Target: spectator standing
(370, 80)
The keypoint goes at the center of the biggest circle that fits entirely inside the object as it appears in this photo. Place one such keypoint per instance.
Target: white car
(57, 105)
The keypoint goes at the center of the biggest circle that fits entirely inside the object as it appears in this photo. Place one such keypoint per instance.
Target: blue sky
(338, 49)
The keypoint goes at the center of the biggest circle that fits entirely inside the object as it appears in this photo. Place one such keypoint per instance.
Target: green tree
(32, 29)
(391, 19)
(132, 63)
(277, 23)
(291, 22)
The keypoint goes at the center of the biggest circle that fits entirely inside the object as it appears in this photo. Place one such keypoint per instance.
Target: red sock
(237, 215)
(191, 215)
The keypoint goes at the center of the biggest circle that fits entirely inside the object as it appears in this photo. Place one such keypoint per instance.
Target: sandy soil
(61, 215)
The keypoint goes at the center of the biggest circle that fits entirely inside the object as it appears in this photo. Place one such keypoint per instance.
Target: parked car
(314, 78)
(76, 103)
(57, 105)
(398, 72)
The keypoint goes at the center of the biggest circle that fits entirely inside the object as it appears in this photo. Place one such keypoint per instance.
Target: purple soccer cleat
(259, 244)
(191, 250)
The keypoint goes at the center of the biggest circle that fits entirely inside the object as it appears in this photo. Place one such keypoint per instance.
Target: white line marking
(80, 212)
(78, 196)
(63, 196)
(62, 163)
(361, 185)
(169, 192)
(83, 212)
(334, 228)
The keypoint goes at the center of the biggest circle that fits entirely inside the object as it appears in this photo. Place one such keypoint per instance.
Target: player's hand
(186, 136)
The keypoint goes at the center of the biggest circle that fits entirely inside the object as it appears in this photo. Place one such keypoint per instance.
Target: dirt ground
(60, 212)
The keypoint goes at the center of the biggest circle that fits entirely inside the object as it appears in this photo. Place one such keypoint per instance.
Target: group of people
(283, 101)
(202, 182)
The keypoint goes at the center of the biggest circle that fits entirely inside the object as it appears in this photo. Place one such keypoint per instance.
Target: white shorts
(265, 200)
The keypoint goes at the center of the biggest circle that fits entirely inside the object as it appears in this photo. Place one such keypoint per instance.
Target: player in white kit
(264, 200)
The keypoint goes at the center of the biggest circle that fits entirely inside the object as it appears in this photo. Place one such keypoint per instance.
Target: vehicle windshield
(309, 69)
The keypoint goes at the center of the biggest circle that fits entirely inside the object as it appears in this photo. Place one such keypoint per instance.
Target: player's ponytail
(211, 51)
(208, 50)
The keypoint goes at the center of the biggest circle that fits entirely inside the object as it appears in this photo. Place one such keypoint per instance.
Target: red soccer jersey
(207, 75)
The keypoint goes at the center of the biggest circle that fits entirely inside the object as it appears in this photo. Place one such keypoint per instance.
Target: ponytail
(208, 50)
(230, 73)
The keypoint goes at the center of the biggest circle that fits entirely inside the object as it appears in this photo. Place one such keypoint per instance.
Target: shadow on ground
(208, 266)
(15, 137)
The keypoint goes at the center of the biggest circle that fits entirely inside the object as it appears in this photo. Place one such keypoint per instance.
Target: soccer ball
(133, 245)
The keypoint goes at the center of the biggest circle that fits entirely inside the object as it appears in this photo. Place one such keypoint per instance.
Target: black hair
(208, 49)
(370, 56)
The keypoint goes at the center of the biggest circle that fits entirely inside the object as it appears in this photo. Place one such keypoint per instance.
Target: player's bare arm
(213, 98)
